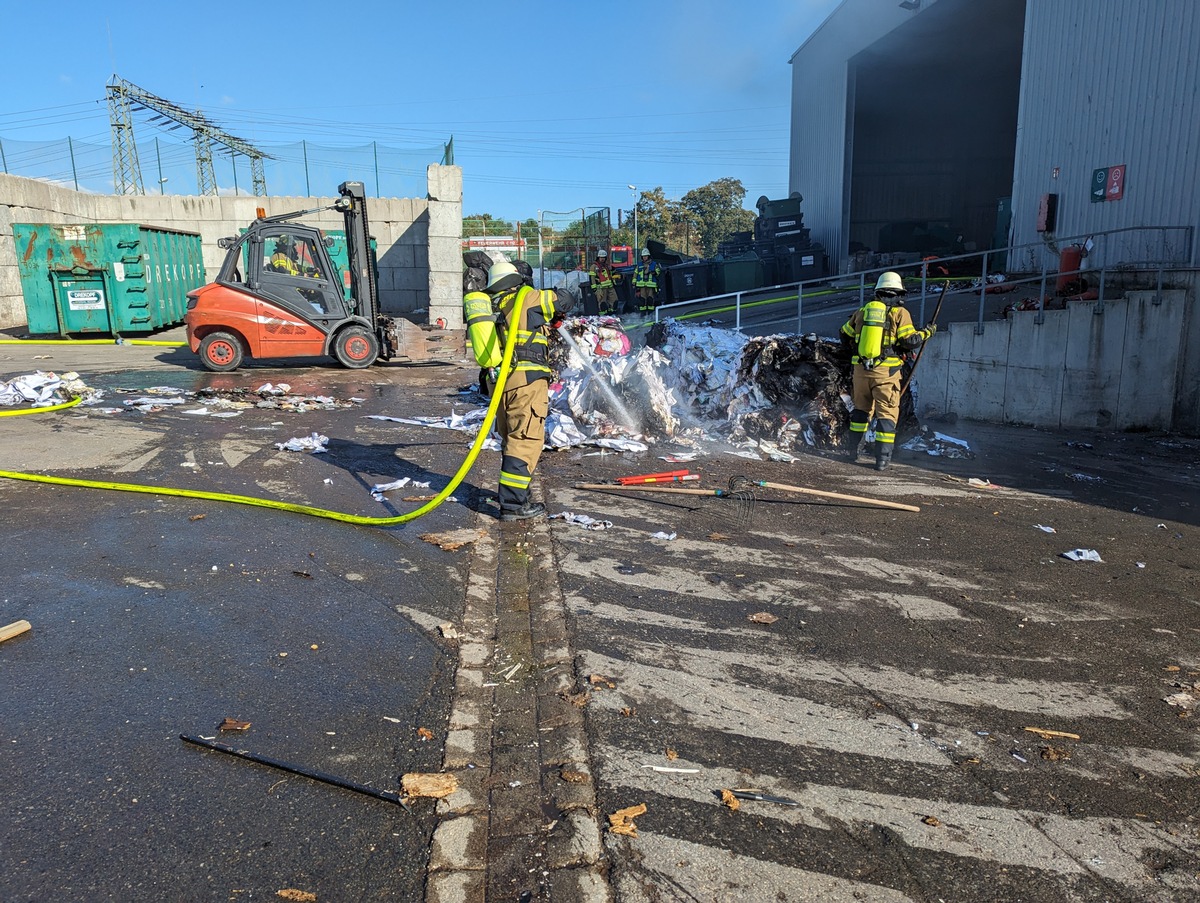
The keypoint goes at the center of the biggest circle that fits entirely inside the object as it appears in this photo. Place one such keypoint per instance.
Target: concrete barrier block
(444, 182)
(445, 256)
(975, 371)
(1033, 381)
(1092, 359)
(445, 221)
(1148, 373)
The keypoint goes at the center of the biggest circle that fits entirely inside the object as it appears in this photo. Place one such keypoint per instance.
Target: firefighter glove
(930, 330)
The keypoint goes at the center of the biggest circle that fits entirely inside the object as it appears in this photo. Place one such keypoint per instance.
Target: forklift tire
(355, 348)
(221, 352)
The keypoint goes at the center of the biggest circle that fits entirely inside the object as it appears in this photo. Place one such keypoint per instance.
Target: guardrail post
(982, 295)
(737, 306)
(862, 289)
(1041, 314)
(799, 308)
(1158, 288)
(1100, 302)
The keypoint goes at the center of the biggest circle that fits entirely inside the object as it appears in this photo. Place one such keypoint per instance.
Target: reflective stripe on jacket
(646, 275)
(535, 310)
(601, 276)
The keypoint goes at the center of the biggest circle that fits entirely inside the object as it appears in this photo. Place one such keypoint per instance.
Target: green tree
(715, 211)
(486, 224)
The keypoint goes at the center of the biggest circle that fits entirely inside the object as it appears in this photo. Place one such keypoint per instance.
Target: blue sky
(552, 106)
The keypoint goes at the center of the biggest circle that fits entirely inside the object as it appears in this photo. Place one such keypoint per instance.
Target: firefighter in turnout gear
(645, 280)
(881, 332)
(525, 402)
(601, 279)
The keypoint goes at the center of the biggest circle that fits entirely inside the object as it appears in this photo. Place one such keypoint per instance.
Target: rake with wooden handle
(742, 496)
(737, 484)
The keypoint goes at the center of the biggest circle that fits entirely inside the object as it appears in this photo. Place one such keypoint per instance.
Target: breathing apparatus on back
(889, 291)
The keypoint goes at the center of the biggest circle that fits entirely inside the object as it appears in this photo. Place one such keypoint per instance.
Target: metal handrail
(1050, 244)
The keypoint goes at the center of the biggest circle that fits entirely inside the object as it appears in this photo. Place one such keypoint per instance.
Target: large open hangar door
(934, 129)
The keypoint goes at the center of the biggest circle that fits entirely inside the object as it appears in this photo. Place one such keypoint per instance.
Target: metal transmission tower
(124, 97)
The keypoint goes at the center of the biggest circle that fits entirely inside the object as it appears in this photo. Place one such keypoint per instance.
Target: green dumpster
(112, 278)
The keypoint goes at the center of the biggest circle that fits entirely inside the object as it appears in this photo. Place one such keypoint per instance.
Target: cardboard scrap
(452, 539)
(1055, 753)
(621, 821)
(579, 700)
(600, 681)
(730, 800)
(762, 617)
(296, 896)
(424, 733)
(428, 784)
(575, 777)
(932, 821)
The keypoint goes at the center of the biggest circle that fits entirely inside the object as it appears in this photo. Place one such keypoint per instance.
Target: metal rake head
(744, 498)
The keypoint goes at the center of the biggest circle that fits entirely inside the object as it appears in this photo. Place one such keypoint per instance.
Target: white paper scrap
(1045, 529)
(379, 489)
(582, 520)
(1083, 555)
(314, 443)
(661, 535)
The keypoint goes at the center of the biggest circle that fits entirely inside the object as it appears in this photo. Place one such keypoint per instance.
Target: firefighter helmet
(502, 275)
(645, 252)
(601, 254)
(890, 282)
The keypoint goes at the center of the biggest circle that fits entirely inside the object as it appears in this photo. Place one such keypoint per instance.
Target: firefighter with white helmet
(881, 332)
(600, 276)
(524, 404)
(646, 279)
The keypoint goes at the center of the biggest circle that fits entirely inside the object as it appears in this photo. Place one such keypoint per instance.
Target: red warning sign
(1115, 189)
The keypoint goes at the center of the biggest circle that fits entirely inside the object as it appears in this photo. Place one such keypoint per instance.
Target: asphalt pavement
(877, 668)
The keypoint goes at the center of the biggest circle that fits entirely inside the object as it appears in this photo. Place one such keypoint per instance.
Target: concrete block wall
(410, 233)
(1078, 369)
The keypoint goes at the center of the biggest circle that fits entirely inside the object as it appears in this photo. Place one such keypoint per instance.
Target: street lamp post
(636, 246)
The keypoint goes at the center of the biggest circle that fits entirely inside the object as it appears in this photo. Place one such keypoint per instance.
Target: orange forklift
(292, 301)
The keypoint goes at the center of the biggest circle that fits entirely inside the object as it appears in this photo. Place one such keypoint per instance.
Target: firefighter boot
(856, 449)
(883, 456)
(525, 512)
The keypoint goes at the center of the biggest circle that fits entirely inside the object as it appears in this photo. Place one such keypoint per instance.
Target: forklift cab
(289, 264)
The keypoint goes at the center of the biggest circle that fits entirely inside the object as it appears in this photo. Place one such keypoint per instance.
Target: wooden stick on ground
(16, 628)
(841, 496)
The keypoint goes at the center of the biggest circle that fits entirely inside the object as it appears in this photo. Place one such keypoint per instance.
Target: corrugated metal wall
(1104, 83)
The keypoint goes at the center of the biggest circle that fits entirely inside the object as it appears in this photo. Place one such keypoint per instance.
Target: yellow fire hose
(458, 477)
(91, 342)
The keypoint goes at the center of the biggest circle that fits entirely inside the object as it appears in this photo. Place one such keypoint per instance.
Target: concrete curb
(523, 824)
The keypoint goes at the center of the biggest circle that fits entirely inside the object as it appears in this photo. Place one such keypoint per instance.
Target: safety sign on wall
(1108, 184)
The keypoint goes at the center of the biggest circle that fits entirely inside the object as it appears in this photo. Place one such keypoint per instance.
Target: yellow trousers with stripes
(522, 427)
(876, 391)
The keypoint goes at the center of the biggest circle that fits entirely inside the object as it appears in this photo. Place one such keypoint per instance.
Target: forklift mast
(364, 292)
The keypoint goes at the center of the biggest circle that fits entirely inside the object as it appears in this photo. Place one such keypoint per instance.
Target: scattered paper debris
(582, 520)
(424, 734)
(232, 724)
(378, 490)
(1045, 529)
(932, 821)
(1185, 701)
(667, 769)
(1083, 555)
(621, 821)
(762, 617)
(661, 535)
(295, 895)
(314, 443)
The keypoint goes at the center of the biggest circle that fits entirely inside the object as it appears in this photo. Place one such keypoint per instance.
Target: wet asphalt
(890, 697)
(155, 617)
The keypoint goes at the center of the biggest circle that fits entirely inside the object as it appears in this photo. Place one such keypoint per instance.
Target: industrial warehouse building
(962, 114)
(938, 127)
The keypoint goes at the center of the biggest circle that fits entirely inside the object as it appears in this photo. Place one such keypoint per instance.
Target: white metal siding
(1103, 83)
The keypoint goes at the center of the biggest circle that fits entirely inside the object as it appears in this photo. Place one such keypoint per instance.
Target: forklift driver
(284, 260)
